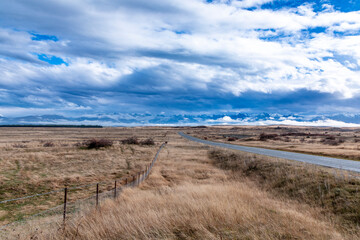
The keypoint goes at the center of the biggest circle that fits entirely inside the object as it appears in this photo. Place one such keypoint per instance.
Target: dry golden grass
(229, 210)
(28, 165)
(188, 197)
(315, 143)
(306, 183)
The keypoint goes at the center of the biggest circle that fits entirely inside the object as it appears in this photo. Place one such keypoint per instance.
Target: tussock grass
(37, 160)
(304, 183)
(217, 211)
(188, 197)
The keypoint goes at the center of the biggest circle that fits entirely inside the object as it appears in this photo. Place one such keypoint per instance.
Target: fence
(112, 189)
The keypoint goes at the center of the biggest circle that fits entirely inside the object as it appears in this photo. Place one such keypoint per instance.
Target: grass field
(37, 160)
(324, 141)
(192, 192)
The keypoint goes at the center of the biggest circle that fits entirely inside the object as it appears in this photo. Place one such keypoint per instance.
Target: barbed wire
(32, 196)
(129, 184)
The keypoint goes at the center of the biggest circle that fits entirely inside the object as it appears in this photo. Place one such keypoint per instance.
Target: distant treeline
(52, 125)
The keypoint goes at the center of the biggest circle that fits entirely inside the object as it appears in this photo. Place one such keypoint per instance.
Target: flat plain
(193, 191)
(37, 160)
(323, 141)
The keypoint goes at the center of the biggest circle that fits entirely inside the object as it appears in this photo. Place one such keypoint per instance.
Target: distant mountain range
(145, 119)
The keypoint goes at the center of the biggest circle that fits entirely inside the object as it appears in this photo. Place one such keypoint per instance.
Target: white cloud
(250, 3)
(283, 121)
(190, 44)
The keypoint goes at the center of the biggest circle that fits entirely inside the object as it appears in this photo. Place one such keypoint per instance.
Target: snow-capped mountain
(139, 119)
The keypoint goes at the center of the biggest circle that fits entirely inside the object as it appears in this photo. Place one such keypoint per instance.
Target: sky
(75, 58)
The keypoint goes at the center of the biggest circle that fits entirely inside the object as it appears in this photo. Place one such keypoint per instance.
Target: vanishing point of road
(317, 160)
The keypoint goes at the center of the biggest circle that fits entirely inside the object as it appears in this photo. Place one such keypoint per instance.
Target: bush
(331, 140)
(264, 137)
(97, 143)
(148, 141)
(130, 140)
(78, 144)
(199, 127)
(49, 144)
(18, 145)
(331, 137)
(231, 139)
(287, 139)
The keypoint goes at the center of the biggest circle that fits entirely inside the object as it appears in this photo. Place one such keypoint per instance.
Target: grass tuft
(305, 183)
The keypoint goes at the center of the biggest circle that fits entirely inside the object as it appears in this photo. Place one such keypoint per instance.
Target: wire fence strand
(138, 178)
(32, 196)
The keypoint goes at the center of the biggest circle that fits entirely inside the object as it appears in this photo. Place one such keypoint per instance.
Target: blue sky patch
(41, 37)
(179, 32)
(318, 5)
(53, 60)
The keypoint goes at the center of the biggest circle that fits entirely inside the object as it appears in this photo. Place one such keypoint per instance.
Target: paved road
(318, 160)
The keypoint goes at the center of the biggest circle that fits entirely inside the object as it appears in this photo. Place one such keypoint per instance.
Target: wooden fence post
(115, 190)
(65, 201)
(97, 194)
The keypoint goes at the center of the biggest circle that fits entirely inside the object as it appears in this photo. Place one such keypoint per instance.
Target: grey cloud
(127, 53)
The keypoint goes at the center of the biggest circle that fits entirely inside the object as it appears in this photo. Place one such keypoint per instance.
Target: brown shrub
(331, 140)
(231, 139)
(49, 144)
(18, 145)
(296, 134)
(148, 141)
(78, 144)
(331, 137)
(97, 143)
(287, 139)
(130, 140)
(264, 137)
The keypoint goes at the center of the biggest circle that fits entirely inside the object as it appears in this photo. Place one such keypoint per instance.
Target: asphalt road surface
(318, 160)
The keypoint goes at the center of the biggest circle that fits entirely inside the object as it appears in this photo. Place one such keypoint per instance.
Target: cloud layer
(81, 57)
